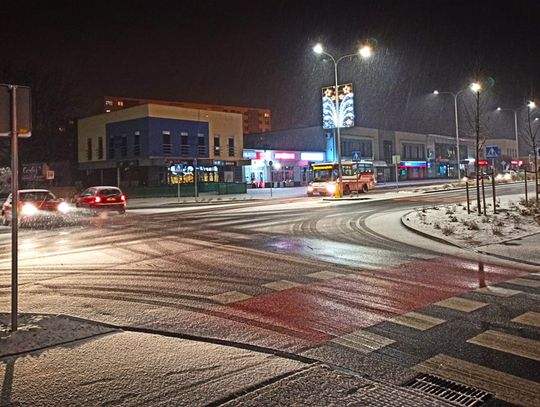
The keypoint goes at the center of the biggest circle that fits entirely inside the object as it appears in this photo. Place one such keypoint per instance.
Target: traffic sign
(356, 155)
(492, 152)
(23, 108)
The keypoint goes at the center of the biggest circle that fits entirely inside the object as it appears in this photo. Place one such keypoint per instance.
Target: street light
(455, 95)
(500, 109)
(364, 52)
(475, 87)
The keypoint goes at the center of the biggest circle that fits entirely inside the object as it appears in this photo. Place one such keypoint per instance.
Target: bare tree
(530, 133)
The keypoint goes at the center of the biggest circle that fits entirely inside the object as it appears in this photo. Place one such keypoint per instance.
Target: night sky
(252, 53)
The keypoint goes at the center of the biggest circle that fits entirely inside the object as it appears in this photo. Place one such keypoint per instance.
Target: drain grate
(448, 390)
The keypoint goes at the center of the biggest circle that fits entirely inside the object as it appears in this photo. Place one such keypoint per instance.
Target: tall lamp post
(475, 87)
(500, 109)
(364, 52)
(533, 140)
(455, 95)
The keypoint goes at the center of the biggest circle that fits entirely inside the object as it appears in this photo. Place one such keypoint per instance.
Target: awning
(380, 164)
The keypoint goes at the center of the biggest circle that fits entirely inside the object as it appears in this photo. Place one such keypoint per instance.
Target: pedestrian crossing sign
(356, 155)
(492, 152)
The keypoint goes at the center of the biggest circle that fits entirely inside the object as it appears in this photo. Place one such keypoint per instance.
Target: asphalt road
(333, 281)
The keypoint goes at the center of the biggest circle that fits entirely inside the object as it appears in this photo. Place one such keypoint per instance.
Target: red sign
(517, 162)
(260, 155)
(284, 156)
(482, 163)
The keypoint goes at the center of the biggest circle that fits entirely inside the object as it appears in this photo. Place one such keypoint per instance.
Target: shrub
(449, 211)
(448, 230)
(436, 225)
(471, 225)
(497, 230)
(453, 219)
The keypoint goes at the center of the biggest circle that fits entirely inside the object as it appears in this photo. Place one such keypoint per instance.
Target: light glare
(365, 51)
(435, 92)
(475, 87)
(318, 49)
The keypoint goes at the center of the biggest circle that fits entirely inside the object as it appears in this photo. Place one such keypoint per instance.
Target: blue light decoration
(345, 111)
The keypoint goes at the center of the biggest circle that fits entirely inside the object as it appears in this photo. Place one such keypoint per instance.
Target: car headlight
(331, 188)
(28, 209)
(310, 188)
(63, 207)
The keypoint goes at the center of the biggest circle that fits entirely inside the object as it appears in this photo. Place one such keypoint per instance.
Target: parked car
(102, 198)
(34, 205)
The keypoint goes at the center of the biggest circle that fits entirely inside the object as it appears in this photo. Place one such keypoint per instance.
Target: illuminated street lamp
(364, 52)
(500, 109)
(475, 87)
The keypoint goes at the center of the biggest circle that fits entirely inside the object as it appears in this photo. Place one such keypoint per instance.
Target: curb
(428, 235)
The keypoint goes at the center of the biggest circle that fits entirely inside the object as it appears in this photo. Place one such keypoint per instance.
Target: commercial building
(254, 120)
(152, 145)
(421, 156)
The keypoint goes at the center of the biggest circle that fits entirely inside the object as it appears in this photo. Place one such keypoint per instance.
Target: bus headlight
(29, 210)
(331, 188)
(310, 188)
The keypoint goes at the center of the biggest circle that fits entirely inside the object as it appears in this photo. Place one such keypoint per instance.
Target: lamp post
(364, 52)
(475, 87)
(500, 109)
(455, 95)
(531, 105)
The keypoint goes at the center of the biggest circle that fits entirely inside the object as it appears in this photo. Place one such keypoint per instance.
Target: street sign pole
(14, 208)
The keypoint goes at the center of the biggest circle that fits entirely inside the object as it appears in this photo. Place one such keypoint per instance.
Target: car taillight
(123, 197)
(97, 199)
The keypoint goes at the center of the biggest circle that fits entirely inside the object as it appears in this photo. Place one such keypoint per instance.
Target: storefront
(279, 168)
(409, 170)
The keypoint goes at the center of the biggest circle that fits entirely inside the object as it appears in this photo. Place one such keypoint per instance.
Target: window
(387, 150)
(216, 145)
(413, 151)
(120, 103)
(201, 144)
(137, 144)
(123, 146)
(166, 142)
(364, 146)
(184, 144)
(111, 147)
(100, 148)
(108, 103)
(231, 146)
(89, 149)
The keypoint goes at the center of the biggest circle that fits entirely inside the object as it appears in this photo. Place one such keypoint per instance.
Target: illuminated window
(120, 103)
(166, 143)
(108, 103)
(184, 144)
(108, 111)
(267, 115)
(216, 145)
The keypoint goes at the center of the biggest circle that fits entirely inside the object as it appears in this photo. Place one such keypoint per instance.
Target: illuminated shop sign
(312, 156)
(323, 167)
(413, 164)
(284, 156)
(482, 163)
(344, 114)
(249, 154)
(260, 155)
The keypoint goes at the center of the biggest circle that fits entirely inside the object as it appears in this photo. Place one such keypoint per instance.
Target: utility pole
(477, 161)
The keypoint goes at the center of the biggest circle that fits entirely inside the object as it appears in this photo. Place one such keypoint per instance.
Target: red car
(34, 205)
(102, 198)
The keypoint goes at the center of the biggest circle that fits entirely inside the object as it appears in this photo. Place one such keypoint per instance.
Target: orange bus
(358, 176)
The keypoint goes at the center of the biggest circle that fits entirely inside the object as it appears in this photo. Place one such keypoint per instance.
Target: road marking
(529, 318)
(506, 387)
(230, 297)
(363, 341)
(281, 285)
(525, 282)
(417, 321)
(325, 275)
(527, 348)
(498, 291)
(461, 304)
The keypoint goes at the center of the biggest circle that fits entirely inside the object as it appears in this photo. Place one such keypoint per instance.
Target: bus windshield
(325, 174)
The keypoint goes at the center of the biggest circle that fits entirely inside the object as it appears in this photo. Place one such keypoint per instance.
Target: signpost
(493, 152)
(356, 156)
(15, 122)
(271, 165)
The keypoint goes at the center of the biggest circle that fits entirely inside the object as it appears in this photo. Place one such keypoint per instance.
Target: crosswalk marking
(325, 275)
(281, 285)
(506, 387)
(528, 348)
(525, 282)
(461, 304)
(418, 321)
(230, 297)
(498, 291)
(363, 341)
(529, 318)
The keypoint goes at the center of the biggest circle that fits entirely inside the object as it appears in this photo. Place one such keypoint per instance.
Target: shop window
(231, 146)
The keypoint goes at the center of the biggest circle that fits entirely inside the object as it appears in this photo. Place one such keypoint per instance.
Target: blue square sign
(492, 152)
